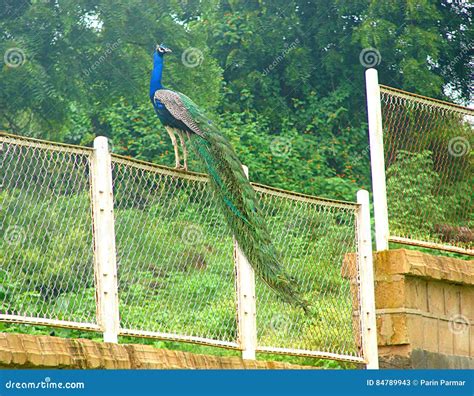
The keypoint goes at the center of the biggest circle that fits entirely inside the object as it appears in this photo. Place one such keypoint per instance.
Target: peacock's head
(162, 49)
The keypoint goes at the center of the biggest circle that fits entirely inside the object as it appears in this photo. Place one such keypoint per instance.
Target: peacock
(236, 197)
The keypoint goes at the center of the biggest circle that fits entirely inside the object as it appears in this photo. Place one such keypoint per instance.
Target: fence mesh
(46, 228)
(176, 271)
(429, 169)
(174, 251)
(314, 238)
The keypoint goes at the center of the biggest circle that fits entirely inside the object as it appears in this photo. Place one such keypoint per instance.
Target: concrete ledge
(415, 263)
(30, 351)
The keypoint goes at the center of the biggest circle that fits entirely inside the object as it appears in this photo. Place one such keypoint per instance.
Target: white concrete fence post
(246, 301)
(377, 161)
(105, 265)
(366, 279)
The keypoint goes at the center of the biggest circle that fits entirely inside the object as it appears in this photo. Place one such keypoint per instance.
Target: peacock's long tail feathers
(235, 195)
(239, 204)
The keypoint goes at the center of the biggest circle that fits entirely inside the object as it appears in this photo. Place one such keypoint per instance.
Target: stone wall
(425, 310)
(29, 351)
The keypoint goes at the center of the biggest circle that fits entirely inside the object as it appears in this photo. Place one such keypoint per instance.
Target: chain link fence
(174, 255)
(314, 237)
(176, 275)
(429, 170)
(46, 260)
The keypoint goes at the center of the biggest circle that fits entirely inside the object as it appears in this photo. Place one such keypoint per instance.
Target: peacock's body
(236, 197)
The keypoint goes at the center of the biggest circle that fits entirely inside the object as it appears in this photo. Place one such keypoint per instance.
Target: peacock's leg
(185, 150)
(175, 146)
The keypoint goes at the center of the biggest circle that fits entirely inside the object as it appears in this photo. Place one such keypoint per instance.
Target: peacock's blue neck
(155, 80)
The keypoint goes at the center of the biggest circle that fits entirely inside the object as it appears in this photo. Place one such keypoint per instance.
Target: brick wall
(29, 351)
(425, 310)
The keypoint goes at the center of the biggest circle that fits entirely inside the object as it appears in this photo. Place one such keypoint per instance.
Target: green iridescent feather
(239, 204)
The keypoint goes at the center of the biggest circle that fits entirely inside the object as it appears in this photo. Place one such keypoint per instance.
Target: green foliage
(418, 199)
(411, 183)
(87, 64)
(310, 153)
(86, 55)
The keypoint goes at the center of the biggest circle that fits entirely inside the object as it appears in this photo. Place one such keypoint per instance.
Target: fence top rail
(304, 197)
(202, 177)
(44, 144)
(431, 245)
(426, 100)
(161, 169)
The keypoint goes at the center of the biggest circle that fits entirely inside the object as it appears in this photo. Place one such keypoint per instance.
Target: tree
(291, 68)
(84, 56)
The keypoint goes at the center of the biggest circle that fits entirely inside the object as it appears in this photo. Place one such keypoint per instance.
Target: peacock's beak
(163, 49)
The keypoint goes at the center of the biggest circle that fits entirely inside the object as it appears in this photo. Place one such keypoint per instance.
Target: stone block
(349, 266)
(446, 337)
(452, 299)
(416, 332)
(19, 353)
(467, 303)
(92, 352)
(390, 294)
(392, 329)
(430, 334)
(6, 355)
(435, 295)
(390, 262)
(471, 342)
(416, 294)
(461, 342)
